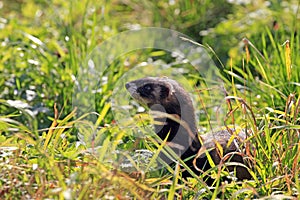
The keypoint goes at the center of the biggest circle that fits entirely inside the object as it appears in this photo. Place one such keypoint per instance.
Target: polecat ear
(171, 88)
(166, 90)
(168, 85)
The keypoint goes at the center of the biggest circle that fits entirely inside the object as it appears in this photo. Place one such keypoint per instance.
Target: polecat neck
(183, 137)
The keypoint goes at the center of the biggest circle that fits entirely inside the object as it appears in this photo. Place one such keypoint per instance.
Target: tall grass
(44, 155)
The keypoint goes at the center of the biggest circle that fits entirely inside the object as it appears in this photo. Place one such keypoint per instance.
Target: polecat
(179, 128)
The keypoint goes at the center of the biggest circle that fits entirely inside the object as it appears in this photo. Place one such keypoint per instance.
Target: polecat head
(151, 90)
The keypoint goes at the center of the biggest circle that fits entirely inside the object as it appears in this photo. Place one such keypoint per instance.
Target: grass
(48, 150)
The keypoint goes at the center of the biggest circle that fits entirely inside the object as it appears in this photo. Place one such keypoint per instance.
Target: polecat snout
(168, 96)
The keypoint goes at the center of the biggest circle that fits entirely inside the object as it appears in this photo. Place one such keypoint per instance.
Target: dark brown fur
(166, 95)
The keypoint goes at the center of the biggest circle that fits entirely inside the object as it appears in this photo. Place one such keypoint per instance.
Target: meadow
(53, 147)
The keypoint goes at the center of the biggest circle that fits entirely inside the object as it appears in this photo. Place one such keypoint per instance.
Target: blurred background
(44, 42)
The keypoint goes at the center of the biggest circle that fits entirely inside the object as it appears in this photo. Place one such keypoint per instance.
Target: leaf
(288, 62)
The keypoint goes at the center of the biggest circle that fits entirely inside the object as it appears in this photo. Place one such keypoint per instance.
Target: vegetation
(50, 149)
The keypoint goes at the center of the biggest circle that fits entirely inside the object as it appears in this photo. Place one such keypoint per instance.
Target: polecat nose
(127, 85)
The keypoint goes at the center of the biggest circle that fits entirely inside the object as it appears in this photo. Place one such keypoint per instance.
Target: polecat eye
(147, 88)
(145, 91)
